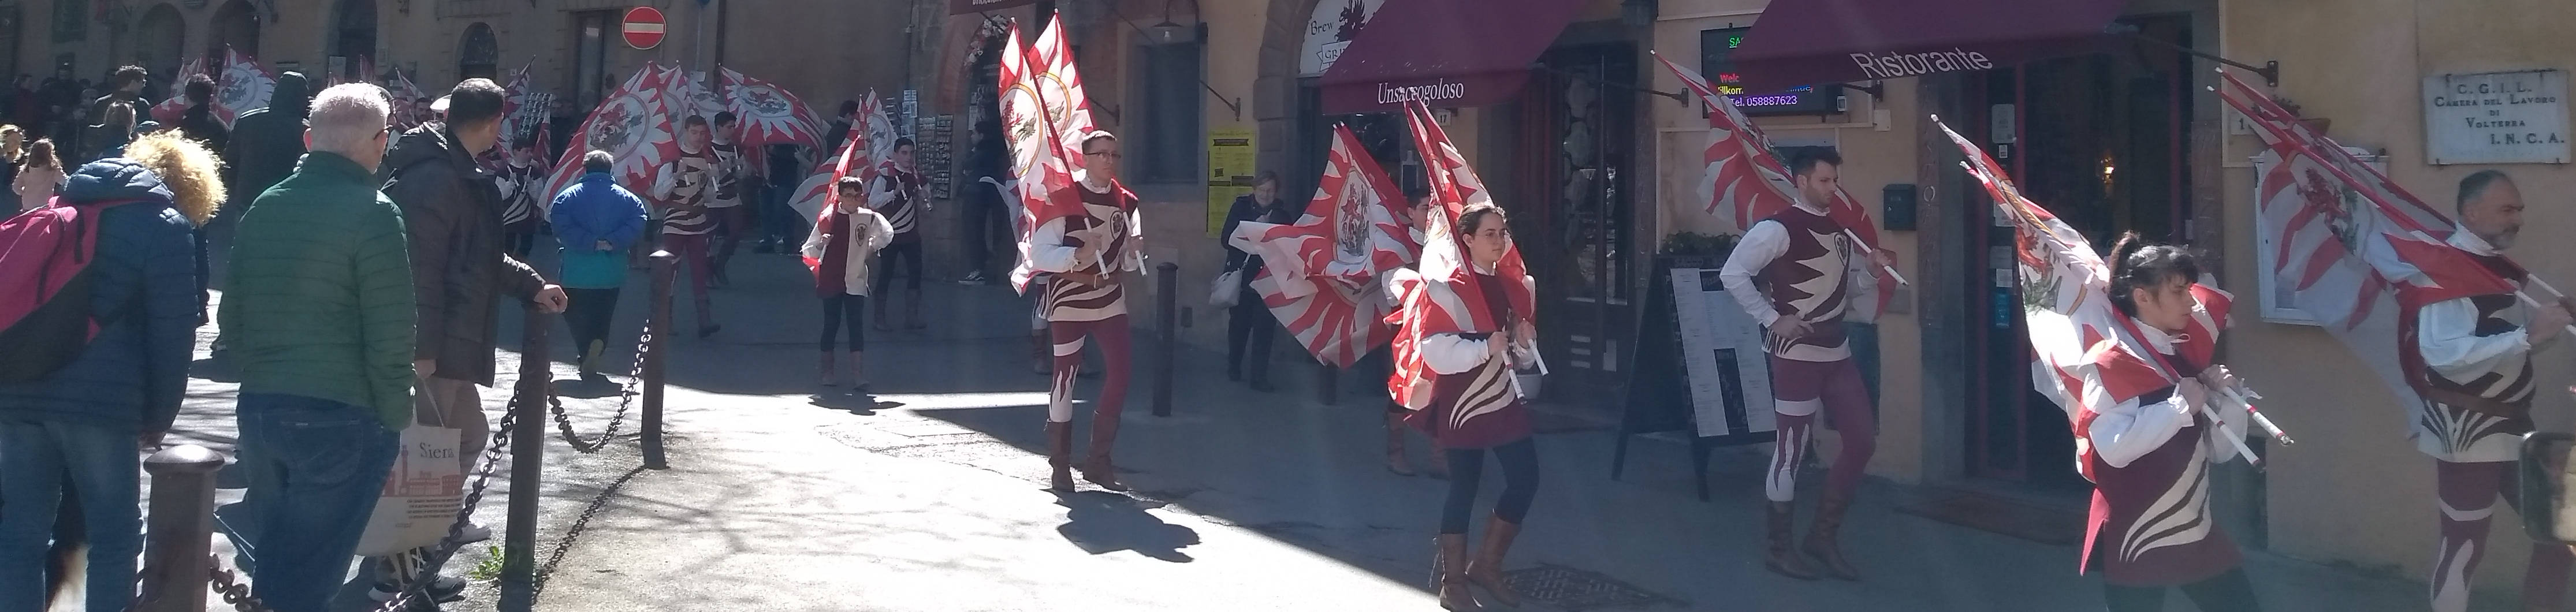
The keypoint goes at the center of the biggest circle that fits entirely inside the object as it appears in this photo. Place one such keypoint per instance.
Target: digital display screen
(1715, 45)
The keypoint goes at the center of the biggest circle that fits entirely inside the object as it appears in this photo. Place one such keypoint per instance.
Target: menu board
(935, 154)
(1722, 355)
(1230, 156)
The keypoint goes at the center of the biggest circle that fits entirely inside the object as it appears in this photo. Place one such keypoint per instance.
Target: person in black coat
(1250, 326)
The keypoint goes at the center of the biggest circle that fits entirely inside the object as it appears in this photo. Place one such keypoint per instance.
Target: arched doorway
(236, 26)
(479, 55)
(159, 38)
(355, 40)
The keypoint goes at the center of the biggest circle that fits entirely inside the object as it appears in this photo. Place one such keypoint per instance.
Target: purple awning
(1811, 42)
(1447, 53)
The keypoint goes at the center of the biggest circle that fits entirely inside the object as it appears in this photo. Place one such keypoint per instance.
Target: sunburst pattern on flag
(1320, 274)
(1032, 93)
(769, 113)
(631, 124)
(868, 144)
(1745, 178)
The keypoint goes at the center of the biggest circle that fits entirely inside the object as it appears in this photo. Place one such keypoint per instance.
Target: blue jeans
(106, 472)
(315, 468)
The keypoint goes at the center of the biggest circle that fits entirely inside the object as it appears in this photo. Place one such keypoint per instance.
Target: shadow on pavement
(1102, 523)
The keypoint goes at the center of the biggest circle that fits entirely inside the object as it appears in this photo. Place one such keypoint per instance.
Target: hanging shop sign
(1330, 30)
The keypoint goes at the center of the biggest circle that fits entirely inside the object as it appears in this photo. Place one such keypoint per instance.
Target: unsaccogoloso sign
(2496, 118)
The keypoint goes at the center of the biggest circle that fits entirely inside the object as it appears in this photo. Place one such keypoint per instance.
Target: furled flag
(1320, 274)
(1059, 83)
(2075, 334)
(770, 115)
(858, 157)
(243, 86)
(1029, 102)
(1746, 178)
(169, 111)
(2355, 250)
(629, 124)
(1446, 295)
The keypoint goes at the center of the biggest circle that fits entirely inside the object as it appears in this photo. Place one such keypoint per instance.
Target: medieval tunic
(2148, 454)
(728, 172)
(519, 184)
(1794, 265)
(1475, 401)
(685, 182)
(897, 196)
(2472, 364)
(1092, 292)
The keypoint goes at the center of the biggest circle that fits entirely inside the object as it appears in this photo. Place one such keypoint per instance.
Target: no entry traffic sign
(643, 27)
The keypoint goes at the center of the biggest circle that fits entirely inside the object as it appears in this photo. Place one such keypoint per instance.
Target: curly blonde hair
(192, 171)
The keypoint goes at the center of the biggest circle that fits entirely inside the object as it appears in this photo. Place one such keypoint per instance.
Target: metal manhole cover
(1573, 590)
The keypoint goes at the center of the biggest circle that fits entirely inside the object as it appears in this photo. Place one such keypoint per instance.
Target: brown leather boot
(831, 377)
(1104, 438)
(1395, 461)
(1778, 555)
(1486, 571)
(1823, 539)
(1060, 456)
(1449, 574)
(858, 374)
(1439, 469)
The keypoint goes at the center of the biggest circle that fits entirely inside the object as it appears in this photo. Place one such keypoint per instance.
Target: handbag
(1227, 289)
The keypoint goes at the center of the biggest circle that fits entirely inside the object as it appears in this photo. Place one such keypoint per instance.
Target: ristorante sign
(1898, 65)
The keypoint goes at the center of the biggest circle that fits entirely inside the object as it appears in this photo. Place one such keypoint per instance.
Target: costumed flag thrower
(1442, 296)
(1320, 274)
(1041, 103)
(630, 124)
(1745, 178)
(169, 111)
(2355, 250)
(2086, 356)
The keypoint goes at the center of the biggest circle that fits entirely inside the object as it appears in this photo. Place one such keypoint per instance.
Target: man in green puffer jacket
(319, 312)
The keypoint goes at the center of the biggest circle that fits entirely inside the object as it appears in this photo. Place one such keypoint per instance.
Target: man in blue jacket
(88, 418)
(597, 221)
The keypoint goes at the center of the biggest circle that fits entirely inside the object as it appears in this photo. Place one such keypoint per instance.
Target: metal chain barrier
(565, 545)
(230, 588)
(634, 383)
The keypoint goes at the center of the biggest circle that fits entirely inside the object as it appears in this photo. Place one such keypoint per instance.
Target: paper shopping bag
(421, 496)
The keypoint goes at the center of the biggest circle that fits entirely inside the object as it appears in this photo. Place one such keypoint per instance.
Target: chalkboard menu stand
(1658, 395)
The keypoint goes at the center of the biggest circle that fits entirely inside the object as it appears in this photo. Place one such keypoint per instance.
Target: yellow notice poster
(1229, 172)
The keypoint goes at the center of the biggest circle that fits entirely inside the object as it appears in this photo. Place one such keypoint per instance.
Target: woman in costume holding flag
(1463, 329)
(2144, 437)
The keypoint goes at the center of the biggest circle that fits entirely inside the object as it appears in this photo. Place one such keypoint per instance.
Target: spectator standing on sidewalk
(124, 101)
(40, 175)
(597, 221)
(13, 148)
(987, 216)
(898, 196)
(319, 308)
(736, 187)
(841, 246)
(87, 418)
(452, 216)
(682, 190)
(1249, 325)
(199, 121)
(778, 221)
(267, 142)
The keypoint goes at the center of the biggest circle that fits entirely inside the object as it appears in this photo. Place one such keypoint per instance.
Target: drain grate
(1575, 590)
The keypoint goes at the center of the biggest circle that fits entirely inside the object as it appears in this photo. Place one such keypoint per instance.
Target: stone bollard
(179, 528)
(1167, 318)
(666, 268)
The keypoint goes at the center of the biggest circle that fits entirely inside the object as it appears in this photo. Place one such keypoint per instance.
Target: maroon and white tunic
(1794, 265)
(2149, 454)
(897, 195)
(1089, 292)
(729, 170)
(1475, 401)
(2472, 360)
(686, 181)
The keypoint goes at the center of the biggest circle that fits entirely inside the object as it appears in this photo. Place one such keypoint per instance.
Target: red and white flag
(769, 114)
(631, 124)
(1033, 96)
(2355, 250)
(2082, 352)
(1456, 304)
(858, 157)
(1746, 182)
(170, 110)
(243, 86)
(1320, 274)
(1059, 84)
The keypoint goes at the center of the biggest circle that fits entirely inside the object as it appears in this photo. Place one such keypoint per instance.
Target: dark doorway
(590, 58)
(1572, 205)
(356, 40)
(478, 56)
(158, 39)
(2099, 141)
(236, 26)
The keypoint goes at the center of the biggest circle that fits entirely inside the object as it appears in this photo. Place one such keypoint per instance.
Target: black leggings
(1467, 466)
(588, 313)
(2228, 592)
(840, 308)
(910, 253)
